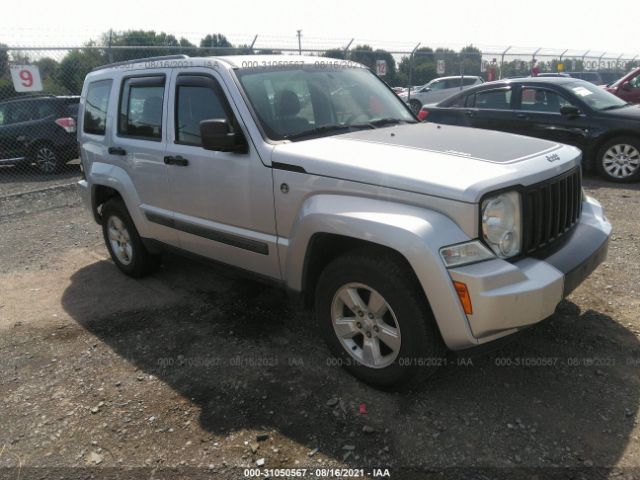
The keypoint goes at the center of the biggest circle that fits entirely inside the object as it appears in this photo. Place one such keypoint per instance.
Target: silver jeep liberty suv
(407, 238)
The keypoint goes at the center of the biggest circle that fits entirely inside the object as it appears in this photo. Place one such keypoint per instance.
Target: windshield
(306, 100)
(596, 97)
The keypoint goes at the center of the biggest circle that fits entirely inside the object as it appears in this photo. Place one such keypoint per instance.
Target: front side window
(305, 99)
(542, 100)
(635, 82)
(141, 108)
(193, 105)
(494, 99)
(95, 107)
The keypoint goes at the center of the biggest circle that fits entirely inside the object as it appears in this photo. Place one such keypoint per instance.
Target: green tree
(337, 53)
(169, 44)
(470, 60)
(75, 66)
(365, 55)
(424, 67)
(216, 45)
(451, 61)
(4, 60)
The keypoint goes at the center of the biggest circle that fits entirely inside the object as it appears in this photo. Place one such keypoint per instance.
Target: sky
(556, 24)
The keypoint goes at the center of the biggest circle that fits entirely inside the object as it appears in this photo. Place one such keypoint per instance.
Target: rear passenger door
(492, 109)
(222, 201)
(138, 144)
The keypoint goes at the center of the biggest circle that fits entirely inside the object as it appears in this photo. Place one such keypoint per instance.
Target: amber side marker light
(465, 298)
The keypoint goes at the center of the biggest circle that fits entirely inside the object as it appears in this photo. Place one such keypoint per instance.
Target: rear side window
(494, 99)
(95, 107)
(195, 104)
(45, 110)
(141, 107)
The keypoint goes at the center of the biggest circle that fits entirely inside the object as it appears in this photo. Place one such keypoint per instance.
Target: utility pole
(300, 42)
(110, 40)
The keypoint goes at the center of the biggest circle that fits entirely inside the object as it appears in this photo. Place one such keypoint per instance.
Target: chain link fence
(40, 84)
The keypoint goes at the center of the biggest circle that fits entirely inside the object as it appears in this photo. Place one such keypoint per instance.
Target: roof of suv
(233, 61)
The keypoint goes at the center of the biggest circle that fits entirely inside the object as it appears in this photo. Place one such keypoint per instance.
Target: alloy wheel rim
(621, 160)
(46, 160)
(120, 240)
(365, 325)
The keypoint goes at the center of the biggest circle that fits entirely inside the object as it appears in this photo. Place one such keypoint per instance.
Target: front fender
(416, 233)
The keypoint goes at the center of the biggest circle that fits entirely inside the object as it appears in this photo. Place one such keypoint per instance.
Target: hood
(457, 163)
(630, 112)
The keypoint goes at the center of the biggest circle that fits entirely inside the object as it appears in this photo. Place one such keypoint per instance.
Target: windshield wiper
(389, 121)
(327, 129)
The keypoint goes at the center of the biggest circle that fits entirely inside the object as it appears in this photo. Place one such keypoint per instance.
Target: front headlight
(501, 224)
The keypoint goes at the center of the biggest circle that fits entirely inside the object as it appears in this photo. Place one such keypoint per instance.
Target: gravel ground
(193, 373)
(24, 178)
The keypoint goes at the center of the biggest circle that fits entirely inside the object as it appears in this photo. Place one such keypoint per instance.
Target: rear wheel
(46, 159)
(123, 241)
(376, 320)
(619, 160)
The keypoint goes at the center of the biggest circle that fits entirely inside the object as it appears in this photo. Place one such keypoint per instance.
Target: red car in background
(627, 87)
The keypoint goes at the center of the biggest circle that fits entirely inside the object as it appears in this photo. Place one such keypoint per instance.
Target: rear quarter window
(95, 107)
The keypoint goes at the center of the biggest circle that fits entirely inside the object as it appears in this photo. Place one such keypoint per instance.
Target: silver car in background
(437, 90)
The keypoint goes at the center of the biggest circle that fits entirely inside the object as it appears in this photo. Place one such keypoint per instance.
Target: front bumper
(508, 296)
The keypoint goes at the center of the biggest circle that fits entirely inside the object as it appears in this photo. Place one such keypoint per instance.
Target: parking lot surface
(194, 373)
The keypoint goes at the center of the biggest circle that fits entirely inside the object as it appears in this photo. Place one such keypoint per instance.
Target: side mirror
(626, 86)
(569, 111)
(218, 135)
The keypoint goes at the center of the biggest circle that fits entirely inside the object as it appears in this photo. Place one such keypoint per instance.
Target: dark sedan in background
(566, 110)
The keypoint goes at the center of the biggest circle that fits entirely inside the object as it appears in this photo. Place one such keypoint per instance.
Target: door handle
(521, 115)
(117, 151)
(469, 113)
(177, 160)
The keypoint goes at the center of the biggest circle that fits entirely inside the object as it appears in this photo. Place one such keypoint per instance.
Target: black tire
(141, 262)
(45, 158)
(421, 349)
(415, 106)
(605, 160)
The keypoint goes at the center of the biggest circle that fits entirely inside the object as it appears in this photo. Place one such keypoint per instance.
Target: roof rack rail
(140, 60)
